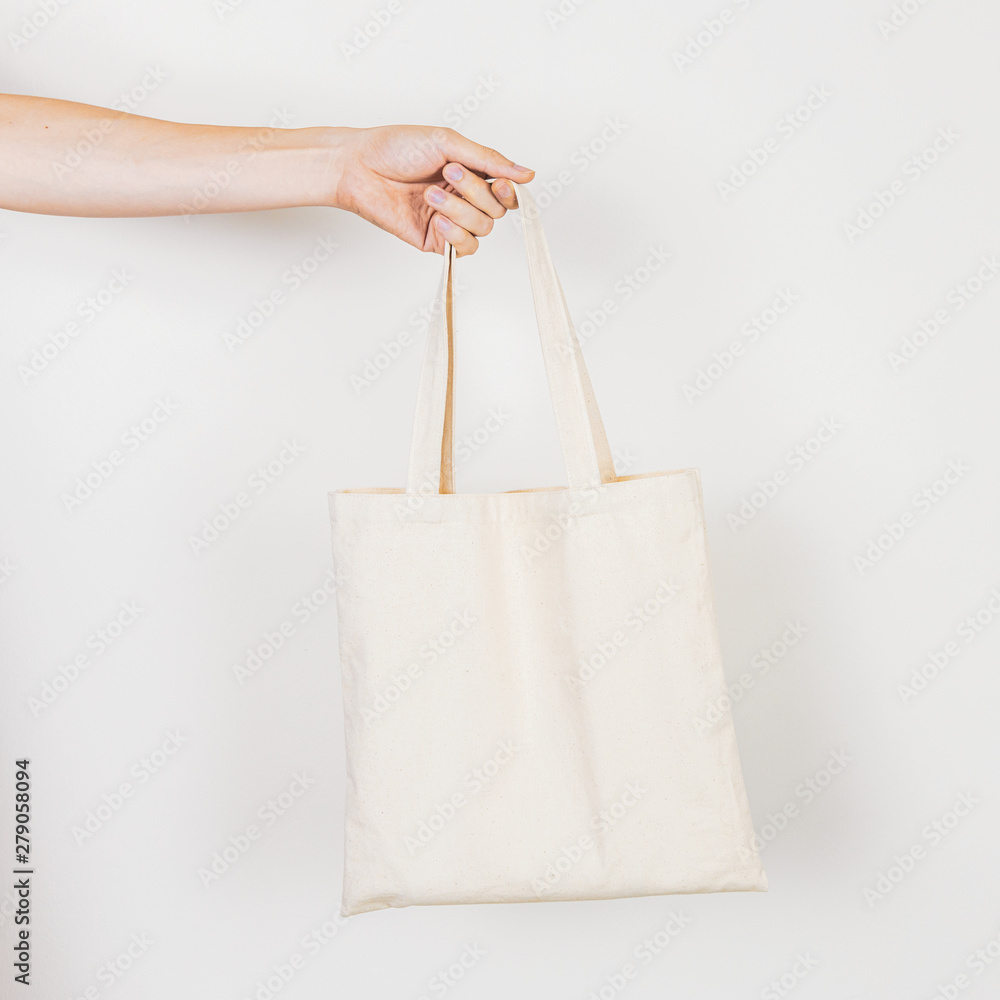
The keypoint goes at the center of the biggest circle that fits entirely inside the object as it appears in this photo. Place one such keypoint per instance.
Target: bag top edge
(400, 491)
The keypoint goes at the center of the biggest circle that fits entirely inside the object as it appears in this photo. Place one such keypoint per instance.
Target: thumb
(483, 159)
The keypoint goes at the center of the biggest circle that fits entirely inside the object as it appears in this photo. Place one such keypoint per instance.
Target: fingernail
(517, 166)
(504, 189)
(443, 223)
(453, 172)
(436, 195)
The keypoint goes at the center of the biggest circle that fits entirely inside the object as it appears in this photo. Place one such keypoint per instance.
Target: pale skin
(426, 184)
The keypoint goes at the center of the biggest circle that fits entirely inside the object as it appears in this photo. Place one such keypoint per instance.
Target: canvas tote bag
(522, 670)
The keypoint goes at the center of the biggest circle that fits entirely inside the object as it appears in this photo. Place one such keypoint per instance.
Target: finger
(473, 189)
(464, 242)
(458, 210)
(504, 193)
(483, 159)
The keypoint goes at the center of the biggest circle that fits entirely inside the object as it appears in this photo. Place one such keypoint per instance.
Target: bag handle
(581, 431)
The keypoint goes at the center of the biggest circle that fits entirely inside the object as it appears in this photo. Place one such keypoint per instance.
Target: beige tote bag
(522, 671)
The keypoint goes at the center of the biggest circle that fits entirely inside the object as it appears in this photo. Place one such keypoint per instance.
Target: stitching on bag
(529, 489)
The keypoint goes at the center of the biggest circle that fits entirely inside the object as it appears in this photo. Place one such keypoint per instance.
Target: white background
(554, 87)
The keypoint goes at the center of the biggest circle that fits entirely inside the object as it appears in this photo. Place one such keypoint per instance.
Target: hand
(425, 184)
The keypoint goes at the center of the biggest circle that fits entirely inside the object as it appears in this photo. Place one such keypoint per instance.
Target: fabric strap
(581, 431)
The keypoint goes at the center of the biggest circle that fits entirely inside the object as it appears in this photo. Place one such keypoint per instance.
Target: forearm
(63, 158)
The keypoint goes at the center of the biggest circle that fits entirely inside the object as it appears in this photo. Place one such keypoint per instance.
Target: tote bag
(521, 671)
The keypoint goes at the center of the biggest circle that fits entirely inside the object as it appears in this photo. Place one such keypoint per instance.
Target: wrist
(325, 153)
(294, 167)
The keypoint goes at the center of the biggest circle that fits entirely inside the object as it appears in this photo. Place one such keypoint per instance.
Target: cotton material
(522, 671)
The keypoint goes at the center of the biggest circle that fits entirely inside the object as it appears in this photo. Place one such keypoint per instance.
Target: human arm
(64, 158)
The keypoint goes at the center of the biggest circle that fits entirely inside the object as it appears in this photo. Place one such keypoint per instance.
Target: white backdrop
(836, 160)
